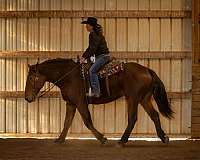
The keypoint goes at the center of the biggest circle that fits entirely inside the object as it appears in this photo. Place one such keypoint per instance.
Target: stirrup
(93, 95)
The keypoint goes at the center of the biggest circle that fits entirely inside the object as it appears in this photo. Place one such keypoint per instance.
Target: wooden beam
(57, 94)
(119, 55)
(195, 117)
(99, 14)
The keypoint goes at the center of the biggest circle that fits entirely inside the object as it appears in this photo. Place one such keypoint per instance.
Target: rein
(54, 84)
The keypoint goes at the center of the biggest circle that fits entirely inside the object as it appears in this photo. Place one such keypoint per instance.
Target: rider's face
(89, 27)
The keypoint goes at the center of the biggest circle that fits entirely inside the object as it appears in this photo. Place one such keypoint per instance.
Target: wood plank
(88, 4)
(33, 5)
(77, 5)
(11, 123)
(10, 31)
(121, 37)
(55, 4)
(2, 115)
(33, 34)
(98, 118)
(33, 117)
(177, 4)
(143, 34)
(133, 4)
(109, 13)
(66, 34)
(77, 34)
(110, 117)
(187, 34)
(66, 5)
(118, 54)
(22, 5)
(44, 34)
(165, 5)
(111, 5)
(44, 119)
(2, 34)
(11, 5)
(121, 5)
(21, 69)
(55, 39)
(133, 30)
(2, 5)
(144, 5)
(99, 5)
(21, 112)
(155, 4)
(186, 116)
(176, 75)
(186, 103)
(195, 130)
(44, 5)
(111, 33)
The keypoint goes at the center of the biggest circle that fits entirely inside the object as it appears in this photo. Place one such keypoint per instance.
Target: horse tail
(160, 96)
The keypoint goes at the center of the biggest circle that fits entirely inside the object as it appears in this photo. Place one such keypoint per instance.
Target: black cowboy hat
(91, 21)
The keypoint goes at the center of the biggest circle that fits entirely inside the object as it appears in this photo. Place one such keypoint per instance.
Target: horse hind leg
(148, 107)
(132, 118)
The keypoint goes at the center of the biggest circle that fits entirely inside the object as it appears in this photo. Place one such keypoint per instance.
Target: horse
(138, 84)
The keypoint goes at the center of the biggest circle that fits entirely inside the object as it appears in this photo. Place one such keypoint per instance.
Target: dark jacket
(97, 45)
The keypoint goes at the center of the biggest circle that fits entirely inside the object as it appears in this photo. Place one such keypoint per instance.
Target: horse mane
(57, 61)
(61, 64)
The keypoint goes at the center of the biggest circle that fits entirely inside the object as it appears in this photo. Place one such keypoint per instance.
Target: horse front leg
(70, 112)
(85, 114)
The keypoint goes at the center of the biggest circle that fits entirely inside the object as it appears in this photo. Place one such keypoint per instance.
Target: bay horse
(136, 83)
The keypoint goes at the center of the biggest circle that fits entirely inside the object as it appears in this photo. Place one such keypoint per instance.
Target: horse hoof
(104, 140)
(120, 144)
(165, 139)
(58, 140)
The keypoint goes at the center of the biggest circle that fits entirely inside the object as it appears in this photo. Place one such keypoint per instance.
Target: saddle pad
(111, 68)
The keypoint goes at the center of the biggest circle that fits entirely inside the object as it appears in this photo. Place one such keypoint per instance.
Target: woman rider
(98, 48)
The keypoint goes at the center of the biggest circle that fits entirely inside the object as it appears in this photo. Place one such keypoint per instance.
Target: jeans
(94, 80)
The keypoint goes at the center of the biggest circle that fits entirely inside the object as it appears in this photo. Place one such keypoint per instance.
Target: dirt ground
(36, 149)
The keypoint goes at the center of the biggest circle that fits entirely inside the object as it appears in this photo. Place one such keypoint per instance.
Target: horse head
(35, 81)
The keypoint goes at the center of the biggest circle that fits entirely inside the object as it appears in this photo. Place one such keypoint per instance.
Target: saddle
(113, 66)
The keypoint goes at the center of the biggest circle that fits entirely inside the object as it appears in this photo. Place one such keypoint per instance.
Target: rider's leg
(93, 74)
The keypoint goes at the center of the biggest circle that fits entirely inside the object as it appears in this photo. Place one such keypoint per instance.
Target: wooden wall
(196, 71)
(125, 34)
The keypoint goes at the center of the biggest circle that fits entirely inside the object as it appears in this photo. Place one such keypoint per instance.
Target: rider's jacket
(97, 45)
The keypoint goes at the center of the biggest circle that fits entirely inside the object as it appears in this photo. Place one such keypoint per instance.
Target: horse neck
(55, 72)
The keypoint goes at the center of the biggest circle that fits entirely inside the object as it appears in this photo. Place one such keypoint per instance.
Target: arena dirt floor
(36, 149)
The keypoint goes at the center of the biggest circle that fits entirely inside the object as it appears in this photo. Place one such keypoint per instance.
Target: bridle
(48, 89)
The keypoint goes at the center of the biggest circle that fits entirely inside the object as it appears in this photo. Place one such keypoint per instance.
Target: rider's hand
(82, 60)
